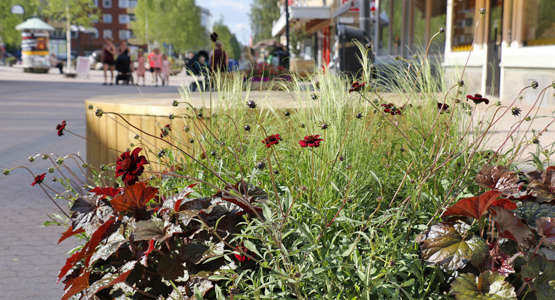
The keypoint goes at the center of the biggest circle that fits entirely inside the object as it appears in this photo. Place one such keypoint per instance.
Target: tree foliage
(176, 22)
(231, 45)
(81, 12)
(263, 14)
(8, 21)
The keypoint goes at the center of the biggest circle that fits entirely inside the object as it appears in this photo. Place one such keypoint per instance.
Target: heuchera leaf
(510, 226)
(505, 203)
(488, 286)
(134, 198)
(444, 244)
(531, 211)
(474, 207)
(543, 271)
(79, 284)
(498, 178)
(106, 191)
(69, 233)
(546, 228)
(500, 263)
(542, 185)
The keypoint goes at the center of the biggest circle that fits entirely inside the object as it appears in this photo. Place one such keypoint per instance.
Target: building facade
(512, 45)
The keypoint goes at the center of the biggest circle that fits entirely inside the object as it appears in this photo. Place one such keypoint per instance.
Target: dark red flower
(389, 108)
(477, 98)
(61, 128)
(271, 140)
(165, 130)
(356, 87)
(38, 179)
(130, 166)
(442, 106)
(214, 37)
(240, 256)
(311, 141)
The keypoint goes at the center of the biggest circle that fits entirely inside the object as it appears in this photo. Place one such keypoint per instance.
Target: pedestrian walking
(108, 62)
(141, 66)
(151, 65)
(219, 58)
(165, 70)
(157, 66)
(54, 62)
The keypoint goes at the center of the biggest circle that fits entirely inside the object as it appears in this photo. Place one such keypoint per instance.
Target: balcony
(310, 12)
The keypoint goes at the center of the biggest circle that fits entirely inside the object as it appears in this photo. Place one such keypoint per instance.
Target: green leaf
(543, 271)
(450, 245)
(531, 211)
(489, 286)
(249, 245)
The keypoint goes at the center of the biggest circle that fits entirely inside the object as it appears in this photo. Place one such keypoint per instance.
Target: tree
(81, 12)
(10, 36)
(231, 45)
(174, 22)
(263, 14)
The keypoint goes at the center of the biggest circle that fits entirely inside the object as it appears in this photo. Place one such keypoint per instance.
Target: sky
(235, 14)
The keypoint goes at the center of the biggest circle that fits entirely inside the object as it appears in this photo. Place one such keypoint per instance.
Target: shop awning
(302, 13)
(34, 24)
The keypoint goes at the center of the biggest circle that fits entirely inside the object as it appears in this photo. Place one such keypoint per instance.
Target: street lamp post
(287, 54)
(68, 39)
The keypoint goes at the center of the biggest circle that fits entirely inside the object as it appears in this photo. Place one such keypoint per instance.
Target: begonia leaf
(542, 271)
(172, 203)
(110, 279)
(450, 245)
(531, 211)
(474, 207)
(487, 286)
(69, 233)
(171, 266)
(106, 191)
(202, 286)
(112, 245)
(154, 229)
(505, 203)
(510, 226)
(134, 198)
(197, 252)
(546, 228)
(90, 212)
(498, 178)
(78, 285)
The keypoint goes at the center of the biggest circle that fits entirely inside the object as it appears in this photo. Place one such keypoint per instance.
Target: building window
(107, 3)
(124, 19)
(74, 34)
(95, 2)
(107, 33)
(93, 33)
(539, 24)
(123, 3)
(463, 25)
(107, 18)
(132, 3)
(124, 34)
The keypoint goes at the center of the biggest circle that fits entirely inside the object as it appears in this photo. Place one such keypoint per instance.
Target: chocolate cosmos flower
(214, 37)
(38, 179)
(61, 128)
(165, 131)
(389, 108)
(442, 106)
(130, 166)
(356, 87)
(311, 141)
(271, 140)
(477, 98)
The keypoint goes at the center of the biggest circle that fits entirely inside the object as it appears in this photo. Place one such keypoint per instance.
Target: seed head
(60, 161)
(297, 274)
(314, 97)
(535, 84)
(99, 113)
(348, 167)
(199, 114)
(304, 188)
(392, 263)
(171, 116)
(482, 11)
(251, 104)
(84, 166)
(175, 103)
(349, 200)
(51, 170)
(261, 165)
(324, 126)
(535, 141)
(247, 128)
(441, 30)
(186, 128)
(213, 153)
(102, 168)
(54, 179)
(44, 156)
(191, 141)
(359, 115)
(397, 57)
(402, 150)
(137, 136)
(379, 199)
(461, 83)
(515, 111)
(302, 125)
(276, 172)
(233, 291)
(91, 106)
(287, 114)
(161, 153)
(31, 159)
(457, 101)
(6, 172)
(498, 103)
(528, 119)
(341, 158)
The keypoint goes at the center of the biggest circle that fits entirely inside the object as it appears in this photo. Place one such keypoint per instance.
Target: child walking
(165, 70)
(141, 68)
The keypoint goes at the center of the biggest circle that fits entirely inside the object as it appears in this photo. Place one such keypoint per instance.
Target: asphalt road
(31, 105)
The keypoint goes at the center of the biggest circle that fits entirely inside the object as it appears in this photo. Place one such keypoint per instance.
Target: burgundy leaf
(504, 203)
(134, 198)
(79, 284)
(542, 185)
(69, 233)
(474, 207)
(546, 228)
(510, 226)
(106, 191)
(498, 178)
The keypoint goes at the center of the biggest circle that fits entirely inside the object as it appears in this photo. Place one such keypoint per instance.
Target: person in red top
(108, 53)
(157, 66)
(151, 64)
